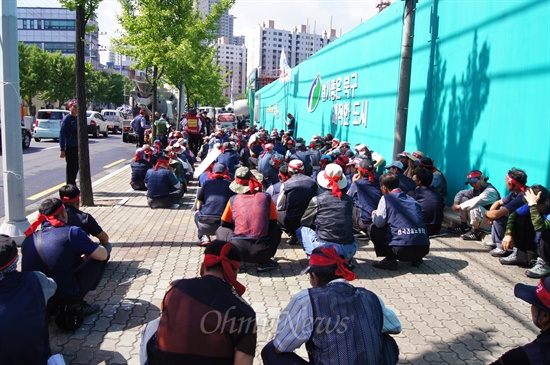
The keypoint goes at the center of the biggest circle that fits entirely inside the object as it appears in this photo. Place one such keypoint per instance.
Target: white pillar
(15, 222)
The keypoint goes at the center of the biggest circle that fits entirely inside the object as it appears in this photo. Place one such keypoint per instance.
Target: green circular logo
(314, 94)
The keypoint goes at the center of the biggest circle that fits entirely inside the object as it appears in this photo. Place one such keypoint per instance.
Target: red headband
(368, 173)
(332, 258)
(283, 177)
(66, 199)
(43, 218)
(9, 263)
(333, 184)
(542, 293)
(161, 162)
(215, 175)
(228, 267)
(252, 182)
(515, 183)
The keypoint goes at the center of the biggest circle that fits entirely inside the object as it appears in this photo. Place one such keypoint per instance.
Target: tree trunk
(86, 193)
(154, 104)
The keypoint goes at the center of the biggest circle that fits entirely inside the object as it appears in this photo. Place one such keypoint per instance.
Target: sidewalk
(457, 308)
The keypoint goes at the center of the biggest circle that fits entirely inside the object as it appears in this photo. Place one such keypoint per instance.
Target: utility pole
(15, 222)
(404, 79)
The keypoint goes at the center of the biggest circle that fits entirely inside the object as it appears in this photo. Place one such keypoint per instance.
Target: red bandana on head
(512, 181)
(368, 173)
(215, 175)
(66, 199)
(332, 258)
(333, 184)
(43, 218)
(252, 182)
(228, 267)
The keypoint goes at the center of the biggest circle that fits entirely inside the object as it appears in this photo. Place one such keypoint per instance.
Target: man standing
(339, 323)
(65, 254)
(161, 130)
(407, 239)
(204, 320)
(68, 142)
(138, 125)
(290, 124)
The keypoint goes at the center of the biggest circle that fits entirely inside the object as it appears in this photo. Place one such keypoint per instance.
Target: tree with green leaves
(33, 71)
(58, 67)
(85, 10)
(170, 39)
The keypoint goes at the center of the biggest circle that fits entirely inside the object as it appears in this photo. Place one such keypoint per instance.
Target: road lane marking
(50, 148)
(114, 163)
(45, 192)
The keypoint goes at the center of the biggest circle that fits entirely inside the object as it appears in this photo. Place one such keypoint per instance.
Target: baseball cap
(8, 251)
(473, 176)
(71, 103)
(397, 164)
(539, 295)
(219, 168)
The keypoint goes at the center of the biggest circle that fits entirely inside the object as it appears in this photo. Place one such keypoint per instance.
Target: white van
(48, 123)
(114, 119)
(226, 120)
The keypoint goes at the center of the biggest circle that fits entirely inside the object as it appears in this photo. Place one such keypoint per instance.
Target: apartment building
(54, 29)
(266, 45)
(232, 59)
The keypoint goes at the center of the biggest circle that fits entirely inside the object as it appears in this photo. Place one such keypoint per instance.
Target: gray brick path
(457, 308)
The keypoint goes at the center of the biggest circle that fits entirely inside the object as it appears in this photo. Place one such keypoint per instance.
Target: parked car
(26, 138)
(96, 124)
(128, 134)
(48, 123)
(114, 119)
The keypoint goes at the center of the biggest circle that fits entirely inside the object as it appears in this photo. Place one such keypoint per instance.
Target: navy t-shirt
(83, 220)
(215, 194)
(513, 201)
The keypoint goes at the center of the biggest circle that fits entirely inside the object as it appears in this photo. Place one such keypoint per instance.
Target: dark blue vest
(139, 169)
(228, 159)
(334, 222)
(24, 336)
(431, 204)
(368, 195)
(276, 190)
(538, 351)
(216, 196)
(299, 190)
(347, 326)
(304, 157)
(404, 218)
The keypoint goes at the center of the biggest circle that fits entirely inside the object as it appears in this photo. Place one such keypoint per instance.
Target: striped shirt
(296, 321)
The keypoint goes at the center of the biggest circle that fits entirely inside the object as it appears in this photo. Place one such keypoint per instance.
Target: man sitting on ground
(65, 254)
(430, 201)
(538, 351)
(249, 221)
(70, 196)
(190, 331)
(163, 188)
(311, 318)
(142, 162)
(212, 198)
(365, 192)
(538, 200)
(23, 314)
(407, 239)
(405, 183)
(294, 198)
(516, 181)
(439, 181)
(332, 214)
(471, 205)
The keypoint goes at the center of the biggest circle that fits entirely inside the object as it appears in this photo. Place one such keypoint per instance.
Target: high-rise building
(232, 59)
(54, 29)
(266, 45)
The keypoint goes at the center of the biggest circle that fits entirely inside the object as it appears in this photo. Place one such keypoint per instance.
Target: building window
(32, 24)
(66, 47)
(60, 24)
(38, 24)
(24, 23)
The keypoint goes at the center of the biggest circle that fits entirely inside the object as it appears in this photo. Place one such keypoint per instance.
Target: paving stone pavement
(456, 308)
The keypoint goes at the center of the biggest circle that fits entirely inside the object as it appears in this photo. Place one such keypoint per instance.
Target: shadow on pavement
(118, 313)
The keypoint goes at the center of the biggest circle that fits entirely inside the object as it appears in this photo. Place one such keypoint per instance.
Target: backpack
(70, 314)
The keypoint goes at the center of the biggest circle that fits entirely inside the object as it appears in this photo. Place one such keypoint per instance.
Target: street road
(44, 170)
